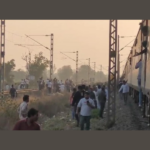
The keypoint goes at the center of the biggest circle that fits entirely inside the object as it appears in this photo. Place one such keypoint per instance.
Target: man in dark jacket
(93, 96)
(83, 90)
(12, 92)
(102, 101)
(77, 96)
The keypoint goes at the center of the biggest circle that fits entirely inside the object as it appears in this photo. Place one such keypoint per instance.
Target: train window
(145, 30)
(144, 43)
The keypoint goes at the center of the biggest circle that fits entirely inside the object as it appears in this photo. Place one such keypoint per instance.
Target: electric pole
(111, 111)
(77, 59)
(50, 49)
(2, 57)
(118, 54)
(51, 56)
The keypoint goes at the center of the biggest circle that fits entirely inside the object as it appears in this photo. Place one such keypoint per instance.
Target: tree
(101, 77)
(19, 74)
(9, 67)
(83, 72)
(38, 65)
(65, 72)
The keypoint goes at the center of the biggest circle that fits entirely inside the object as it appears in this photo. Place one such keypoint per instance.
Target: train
(140, 51)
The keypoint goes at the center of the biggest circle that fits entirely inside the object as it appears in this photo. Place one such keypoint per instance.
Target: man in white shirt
(99, 90)
(7, 87)
(95, 92)
(139, 66)
(47, 80)
(62, 87)
(125, 90)
(85, 105)
(49, 86)
(23, 108)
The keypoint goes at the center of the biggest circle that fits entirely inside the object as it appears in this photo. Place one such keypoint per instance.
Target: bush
(49, 106)
(95, 113)
(46, 105)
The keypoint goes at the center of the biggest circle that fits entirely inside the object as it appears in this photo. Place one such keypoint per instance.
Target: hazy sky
(89, 37)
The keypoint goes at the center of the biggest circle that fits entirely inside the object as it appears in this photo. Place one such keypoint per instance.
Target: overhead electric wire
(67, 56)
(126, 45)
(38, 35)
(29, 45)
(19, 36)
(38, 42)
(14, 33)
(10, 41)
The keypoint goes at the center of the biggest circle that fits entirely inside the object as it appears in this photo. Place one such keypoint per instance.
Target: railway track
(6, 94)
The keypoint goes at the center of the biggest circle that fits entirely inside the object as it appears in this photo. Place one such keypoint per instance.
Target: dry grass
(54, 110)
(47, 105)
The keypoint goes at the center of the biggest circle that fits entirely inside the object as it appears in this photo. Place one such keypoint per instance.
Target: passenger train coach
(140, 50)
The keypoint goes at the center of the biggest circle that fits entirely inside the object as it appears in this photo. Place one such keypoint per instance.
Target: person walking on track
(125, 90)
(23, 108)
(29, 123)
(85, 107)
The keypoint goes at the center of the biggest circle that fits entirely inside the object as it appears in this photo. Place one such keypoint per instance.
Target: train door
(145, 40)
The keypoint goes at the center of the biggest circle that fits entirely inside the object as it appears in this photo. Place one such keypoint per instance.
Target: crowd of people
(12, 89)
(83, 100)
(86, 98)
(55, 85)
(24, 84)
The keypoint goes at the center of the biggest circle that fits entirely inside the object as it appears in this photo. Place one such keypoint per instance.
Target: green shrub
(95, 113)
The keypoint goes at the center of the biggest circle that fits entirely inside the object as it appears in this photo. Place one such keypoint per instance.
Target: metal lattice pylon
(112, 72)
(51, 56)
(2, 56)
